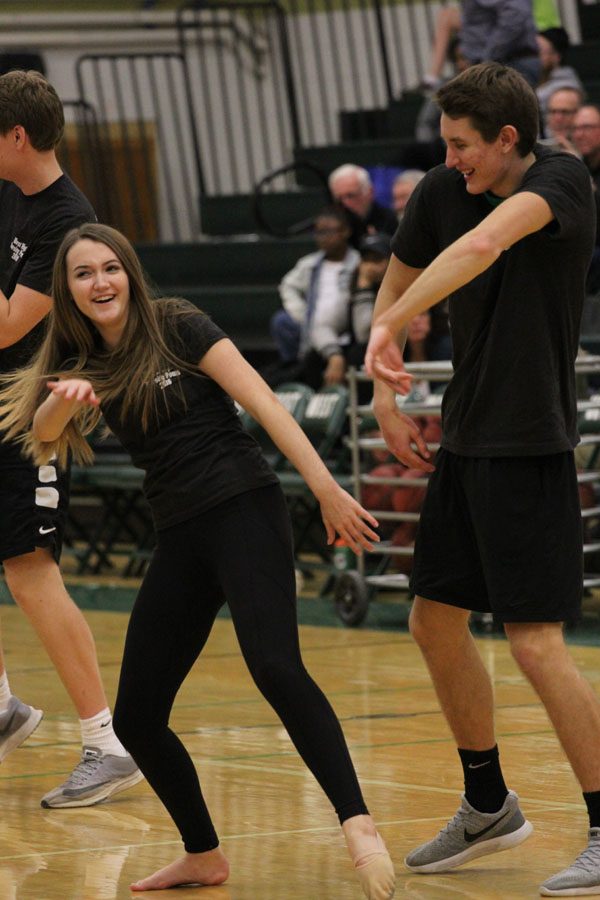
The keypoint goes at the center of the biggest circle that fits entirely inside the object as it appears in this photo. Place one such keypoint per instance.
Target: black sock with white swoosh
(592, 801)
(485, 789)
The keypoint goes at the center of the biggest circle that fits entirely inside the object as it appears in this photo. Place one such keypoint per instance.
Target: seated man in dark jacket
(351, 186)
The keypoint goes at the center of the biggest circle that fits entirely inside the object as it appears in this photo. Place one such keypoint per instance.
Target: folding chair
(323, 423)
(123, 523)
(295, 397)
(108, 514)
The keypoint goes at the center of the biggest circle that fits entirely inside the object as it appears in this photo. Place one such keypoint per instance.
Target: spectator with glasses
(351, 186)
(560, 114)
(586, 138)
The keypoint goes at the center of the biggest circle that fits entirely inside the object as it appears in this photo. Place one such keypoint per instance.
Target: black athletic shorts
(33, 505)
(502, 534)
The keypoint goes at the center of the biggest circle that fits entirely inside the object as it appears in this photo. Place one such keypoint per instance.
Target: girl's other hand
(74, 390)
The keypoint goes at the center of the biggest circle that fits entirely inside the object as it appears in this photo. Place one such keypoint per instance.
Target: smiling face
(99, 286)
(484, 166)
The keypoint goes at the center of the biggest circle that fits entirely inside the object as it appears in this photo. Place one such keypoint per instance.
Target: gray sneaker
(16, 724)
(582, 877)
(96, 777)
(471, 834)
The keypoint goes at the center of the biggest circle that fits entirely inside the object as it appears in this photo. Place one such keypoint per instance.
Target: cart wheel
(351, 598)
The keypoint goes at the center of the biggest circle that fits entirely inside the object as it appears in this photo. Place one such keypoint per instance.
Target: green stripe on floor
(387, 614)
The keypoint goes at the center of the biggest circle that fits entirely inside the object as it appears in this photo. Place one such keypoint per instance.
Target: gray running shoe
(582, 877)
(16, 724)
(471, 834)
(96, 777)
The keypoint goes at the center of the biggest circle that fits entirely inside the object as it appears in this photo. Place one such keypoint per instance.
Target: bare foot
(193, 868)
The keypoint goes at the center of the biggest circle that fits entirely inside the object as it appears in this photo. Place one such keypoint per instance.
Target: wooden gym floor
(276, 827)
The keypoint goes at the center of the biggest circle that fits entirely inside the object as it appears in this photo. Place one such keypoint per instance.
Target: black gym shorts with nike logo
(33, 505)
(502, 534)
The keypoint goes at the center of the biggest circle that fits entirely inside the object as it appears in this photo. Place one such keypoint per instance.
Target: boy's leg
(17, 720)
(464, 690)
(460, 679)
(36, 585)
(572, 705)
(574, 711)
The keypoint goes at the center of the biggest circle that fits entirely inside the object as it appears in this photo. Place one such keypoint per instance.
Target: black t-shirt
(196, 454)
(515, 328)
(31, 230)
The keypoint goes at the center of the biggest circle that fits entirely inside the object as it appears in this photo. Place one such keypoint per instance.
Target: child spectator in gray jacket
(313, 328)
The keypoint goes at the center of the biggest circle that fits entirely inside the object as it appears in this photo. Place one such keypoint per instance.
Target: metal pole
(383, 48)
(288, 74)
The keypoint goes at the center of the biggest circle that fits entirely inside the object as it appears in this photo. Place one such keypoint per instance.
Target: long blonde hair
(73, 346)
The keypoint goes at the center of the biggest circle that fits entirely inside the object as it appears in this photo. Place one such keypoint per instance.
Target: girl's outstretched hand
(344, 516)
(74, 390)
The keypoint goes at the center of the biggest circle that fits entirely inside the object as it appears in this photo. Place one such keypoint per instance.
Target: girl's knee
(132, 724)
(276, 677)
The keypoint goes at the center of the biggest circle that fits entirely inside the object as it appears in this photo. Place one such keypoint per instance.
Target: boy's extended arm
(469, 256)
(401, 298)
(20, 314)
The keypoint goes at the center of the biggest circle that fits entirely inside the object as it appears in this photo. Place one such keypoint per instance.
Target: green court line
(547, 806)
(388, 615)
(280, 754)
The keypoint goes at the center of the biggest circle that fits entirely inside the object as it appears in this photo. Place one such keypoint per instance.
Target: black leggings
(239, 552)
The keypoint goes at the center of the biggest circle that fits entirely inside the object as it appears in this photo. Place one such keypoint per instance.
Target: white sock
(5, 693)
(97, 731)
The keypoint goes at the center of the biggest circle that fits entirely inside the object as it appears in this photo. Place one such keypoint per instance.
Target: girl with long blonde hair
(165, 378)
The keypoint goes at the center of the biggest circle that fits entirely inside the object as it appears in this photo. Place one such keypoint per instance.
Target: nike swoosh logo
(479, 765)
(470, 837)
(104, 724)
(46, 530)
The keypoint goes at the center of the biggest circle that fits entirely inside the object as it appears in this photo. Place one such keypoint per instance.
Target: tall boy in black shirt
(40, 204)
(506, 229)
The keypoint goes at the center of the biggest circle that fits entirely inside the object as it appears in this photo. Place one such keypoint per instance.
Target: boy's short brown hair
(492, 96)
(29, 100)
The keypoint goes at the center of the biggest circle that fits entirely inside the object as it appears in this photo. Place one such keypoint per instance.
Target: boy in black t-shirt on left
(40, 204)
